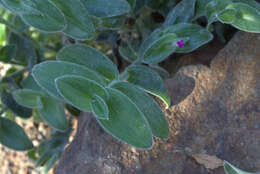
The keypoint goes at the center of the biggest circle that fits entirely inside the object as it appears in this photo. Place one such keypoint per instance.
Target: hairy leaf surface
(27, 97)
(52, 112)
(99, 107)
(149, 80)
(79, 91)
(126, 122)
(89, 57)
(45, 74)
(107, 8)
(148, 107)
(79, 24)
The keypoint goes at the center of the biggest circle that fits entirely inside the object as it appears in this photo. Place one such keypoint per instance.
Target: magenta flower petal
(180, 44)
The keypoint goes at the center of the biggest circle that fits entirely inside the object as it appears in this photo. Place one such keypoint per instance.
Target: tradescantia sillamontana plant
(77, 75)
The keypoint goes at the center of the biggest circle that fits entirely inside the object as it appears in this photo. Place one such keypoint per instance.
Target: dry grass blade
(209, 162)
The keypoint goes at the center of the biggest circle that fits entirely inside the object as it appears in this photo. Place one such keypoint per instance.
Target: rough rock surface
(220, 117)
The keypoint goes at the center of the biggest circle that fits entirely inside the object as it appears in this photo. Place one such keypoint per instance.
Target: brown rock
(220, 117)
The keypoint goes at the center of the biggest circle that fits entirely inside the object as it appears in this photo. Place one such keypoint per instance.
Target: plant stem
(16, 63)
(16, 73)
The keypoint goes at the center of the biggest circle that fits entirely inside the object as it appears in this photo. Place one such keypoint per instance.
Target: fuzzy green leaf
(107, 8)
(52, 112)
(89, 57)
(13, 136)
(126, 122)
(162, 42)
(21, 7)
(213, 8)
(148, 42)
(158, 46)
(149, 80)
(79, 24)
(9, 101)
(230, 169)
(148, 107)
(194, 35)
(128, 52)
(162, 72)
(99, 108)
(244, 17)
(251, 3)
(182, 12)
(29, 83)
(42, 15)
(113, 23)
(45, 74)
(160, 49)
(79, 91)
(200, 9)
(27, 97)
(227, 15)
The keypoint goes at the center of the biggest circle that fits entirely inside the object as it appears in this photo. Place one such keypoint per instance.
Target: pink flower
(180, 44)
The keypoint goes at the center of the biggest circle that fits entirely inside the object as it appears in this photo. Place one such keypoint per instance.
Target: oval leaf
(79, 91)
(20, 7)
(45, 74)
(227, 16)
(149, 80)
(79, 24)
(148, 42)
(13, 136)
(113, 23)
(107, 8)
(42, 15)
(128, 52)
(200, 8)
(251, 3)
(197, 36)
(89, 57)
(213, 8)
(9, 101)
(182, 12)
(162, 72)
(160, 49)
(126, 122)
(99, 107)
(27, 97)
(162, 42)
(246, 18)
(29, 83)
(158, 46)
(52, 112)
(230, 169)
(148, 107)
